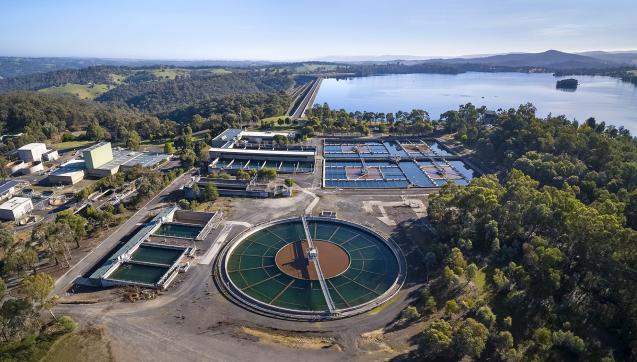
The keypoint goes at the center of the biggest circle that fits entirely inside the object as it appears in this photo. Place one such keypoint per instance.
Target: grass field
(308, 68)
(117, 78)
(220, 71)
(634, 72)
(63, 146)
(169, 74)
(81, 91)
(80, 346)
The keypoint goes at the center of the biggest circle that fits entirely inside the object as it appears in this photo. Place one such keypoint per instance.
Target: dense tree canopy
(46, 117)
(169, 95)
(553, 237)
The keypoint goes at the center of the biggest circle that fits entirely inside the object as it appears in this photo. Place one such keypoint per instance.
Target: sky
(302, 30)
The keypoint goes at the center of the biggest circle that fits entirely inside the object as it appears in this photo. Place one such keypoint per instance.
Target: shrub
(267, 174)
(184, 204)
(67, 323)
(410, 313)
(451, 307)
(569, 341)
(486, 316)
(543, 338)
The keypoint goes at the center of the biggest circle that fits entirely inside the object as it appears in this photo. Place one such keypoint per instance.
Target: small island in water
(567, 84)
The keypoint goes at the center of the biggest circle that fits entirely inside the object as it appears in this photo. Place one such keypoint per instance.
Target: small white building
(16, 208)
(32, 152)
(68, 173)
(51, 155)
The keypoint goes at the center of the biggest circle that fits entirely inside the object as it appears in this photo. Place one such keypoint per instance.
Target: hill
(154, 89)
(551, 59)
(629, 57)
(45, 117)
(167, 95)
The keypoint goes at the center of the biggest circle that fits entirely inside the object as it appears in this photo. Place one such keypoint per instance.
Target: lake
(605, 98)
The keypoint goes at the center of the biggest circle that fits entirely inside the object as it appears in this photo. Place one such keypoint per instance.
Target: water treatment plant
(340, 248)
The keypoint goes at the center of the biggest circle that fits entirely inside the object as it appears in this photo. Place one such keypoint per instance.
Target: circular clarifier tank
(275, 269)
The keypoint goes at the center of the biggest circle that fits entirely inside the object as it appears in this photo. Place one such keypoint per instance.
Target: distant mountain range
(551, 59)
(626, 57)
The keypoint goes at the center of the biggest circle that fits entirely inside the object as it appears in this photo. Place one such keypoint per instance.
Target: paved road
(64, 282)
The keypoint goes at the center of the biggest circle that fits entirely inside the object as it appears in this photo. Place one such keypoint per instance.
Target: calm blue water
(607, 99)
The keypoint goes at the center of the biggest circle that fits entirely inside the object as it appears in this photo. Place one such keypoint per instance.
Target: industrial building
(236, 149)
(31, 157)
(101, 160)
(50, 155)
(236, 188)
(97, 155)
(68, 174)
(32, 152)
(36, 152)
(16, 208)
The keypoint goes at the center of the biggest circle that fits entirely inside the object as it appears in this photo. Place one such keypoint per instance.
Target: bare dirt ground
(193, 321)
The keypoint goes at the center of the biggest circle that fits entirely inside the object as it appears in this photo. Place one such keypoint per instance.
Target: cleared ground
(70, 145)
(82, 91)
(169, 74)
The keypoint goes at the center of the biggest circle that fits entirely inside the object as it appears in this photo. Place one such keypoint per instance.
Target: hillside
(551, 59)
(167, 95)
(154, 90)
(43, 117)
(629, 57)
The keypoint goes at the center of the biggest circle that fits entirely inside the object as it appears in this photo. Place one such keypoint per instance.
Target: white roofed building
(16, 208)
(32, 152)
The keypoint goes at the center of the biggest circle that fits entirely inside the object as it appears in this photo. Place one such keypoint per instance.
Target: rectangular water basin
(138, 273)
(179, 230)
(156, 254)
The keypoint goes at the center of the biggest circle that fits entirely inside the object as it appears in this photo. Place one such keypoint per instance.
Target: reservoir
(605, 98)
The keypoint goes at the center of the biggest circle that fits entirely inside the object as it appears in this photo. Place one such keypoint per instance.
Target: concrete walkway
(310, 207)
(210, 254)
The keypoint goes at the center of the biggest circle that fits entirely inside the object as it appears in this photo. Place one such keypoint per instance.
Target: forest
(42, 117)
(168, 95)
(145, 89)
(242, 109)
(537, 261)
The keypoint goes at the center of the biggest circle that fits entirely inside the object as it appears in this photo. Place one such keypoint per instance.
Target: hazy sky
(297, 29)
